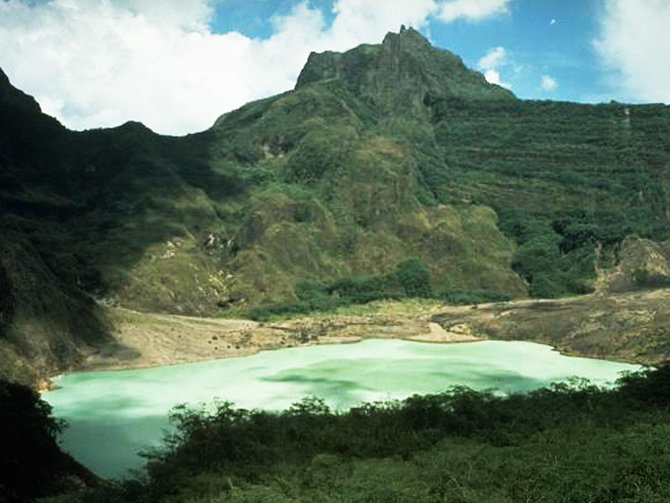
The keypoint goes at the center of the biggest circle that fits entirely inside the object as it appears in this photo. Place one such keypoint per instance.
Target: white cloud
(493, 77)
(99, 63)
(360, 21)
(548, 83)
(472, 10)
(490, 63)
(552, 22)
(634, 46)
(494, 58)
(95, 63)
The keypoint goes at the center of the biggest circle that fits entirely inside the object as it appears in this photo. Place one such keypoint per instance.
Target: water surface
(115, 414)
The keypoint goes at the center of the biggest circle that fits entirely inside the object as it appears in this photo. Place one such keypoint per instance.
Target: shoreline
(623, 327)
(148, 340)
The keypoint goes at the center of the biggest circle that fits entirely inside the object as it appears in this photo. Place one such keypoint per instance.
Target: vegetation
(572, 442)
(312, 199)
(465, 296)
(31, 464)
(411, 279)
(563, 179)
(391, 171)
(414, 278)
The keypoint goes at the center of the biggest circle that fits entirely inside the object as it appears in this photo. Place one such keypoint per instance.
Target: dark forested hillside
(391, 170)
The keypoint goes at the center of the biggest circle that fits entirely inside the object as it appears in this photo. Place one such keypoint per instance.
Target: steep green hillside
(390, 170)
(565, 179)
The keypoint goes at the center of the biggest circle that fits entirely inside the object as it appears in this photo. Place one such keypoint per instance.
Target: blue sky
(540, 37)
(177, 64)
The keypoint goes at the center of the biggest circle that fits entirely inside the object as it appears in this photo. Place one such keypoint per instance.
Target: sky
(176, 65)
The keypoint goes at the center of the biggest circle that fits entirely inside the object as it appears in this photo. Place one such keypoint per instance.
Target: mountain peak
(401, 73)
(408, 36)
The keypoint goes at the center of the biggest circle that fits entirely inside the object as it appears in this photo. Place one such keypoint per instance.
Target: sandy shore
(630, 327)
(150, 339)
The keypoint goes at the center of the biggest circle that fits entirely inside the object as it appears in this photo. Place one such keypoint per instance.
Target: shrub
(538, 255)
(547, 285)
(467, 296)
(414, 278)
(360, 290)
(31, 464)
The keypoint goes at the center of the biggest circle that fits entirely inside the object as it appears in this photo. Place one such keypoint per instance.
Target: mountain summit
(404, 73)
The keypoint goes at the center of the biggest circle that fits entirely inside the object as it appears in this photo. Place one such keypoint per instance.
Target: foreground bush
(31, 463)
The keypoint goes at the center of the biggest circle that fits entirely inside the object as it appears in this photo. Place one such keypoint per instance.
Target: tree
(414, 278)
(31, 464)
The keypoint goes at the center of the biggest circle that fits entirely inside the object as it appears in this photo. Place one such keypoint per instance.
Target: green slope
(382, 155)
(565, 179)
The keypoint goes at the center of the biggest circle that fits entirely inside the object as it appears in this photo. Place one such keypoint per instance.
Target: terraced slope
(565, 179)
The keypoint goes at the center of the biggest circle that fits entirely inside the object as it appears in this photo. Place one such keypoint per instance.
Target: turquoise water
(113, 415)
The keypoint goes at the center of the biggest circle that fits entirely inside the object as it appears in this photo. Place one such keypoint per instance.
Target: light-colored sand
(627, 327)
(152, 339)
(438, 334)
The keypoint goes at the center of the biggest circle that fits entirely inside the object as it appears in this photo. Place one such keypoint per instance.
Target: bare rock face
(642, 264)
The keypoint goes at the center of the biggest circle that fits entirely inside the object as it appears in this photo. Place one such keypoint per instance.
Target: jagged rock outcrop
(404, 74)
(642, 264)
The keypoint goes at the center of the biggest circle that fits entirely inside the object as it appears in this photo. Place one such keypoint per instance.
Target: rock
(44, 384)
(642, 264)
(232, 298)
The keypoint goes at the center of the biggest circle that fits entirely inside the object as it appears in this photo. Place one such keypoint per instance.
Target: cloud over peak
(490, 63)
(99, 63)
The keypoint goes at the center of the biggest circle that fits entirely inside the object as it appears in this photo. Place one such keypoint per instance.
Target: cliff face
(46, 323)
(381, 154)
(10, 97)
